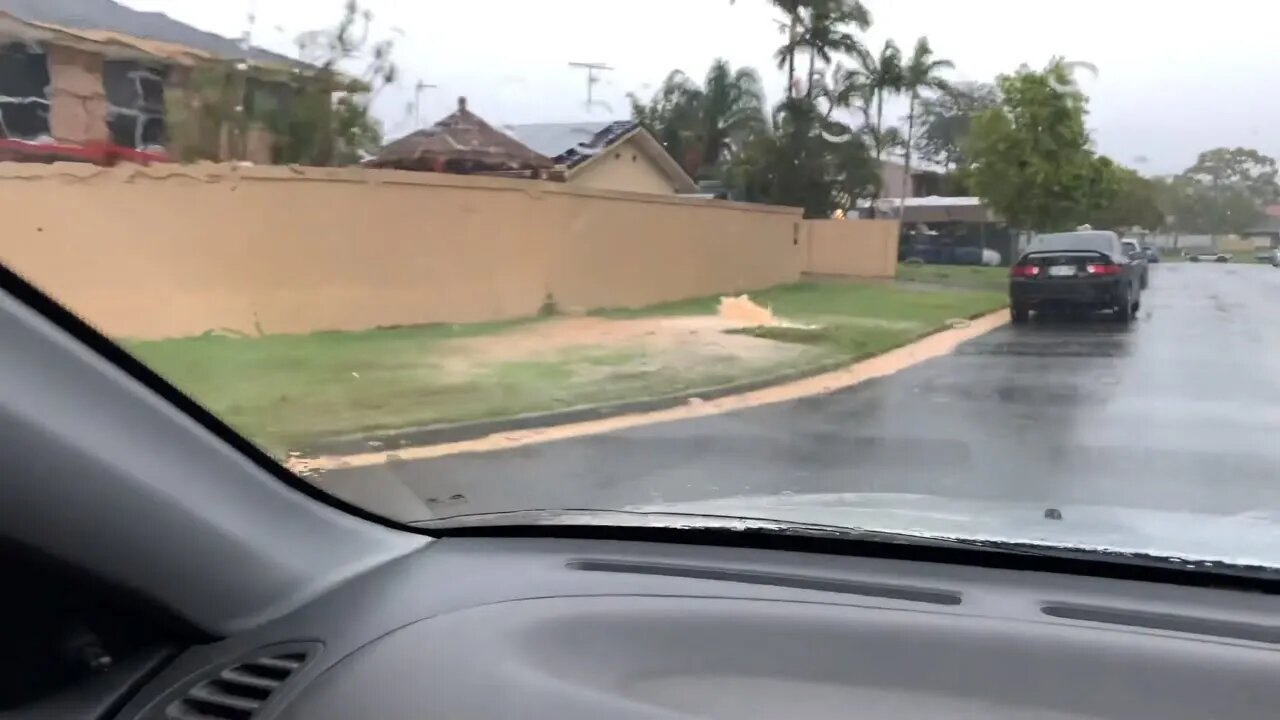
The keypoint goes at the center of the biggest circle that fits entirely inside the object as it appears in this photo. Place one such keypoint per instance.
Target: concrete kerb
(392, 441)
(455, 432)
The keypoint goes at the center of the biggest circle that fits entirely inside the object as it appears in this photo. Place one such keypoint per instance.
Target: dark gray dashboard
(476, 628)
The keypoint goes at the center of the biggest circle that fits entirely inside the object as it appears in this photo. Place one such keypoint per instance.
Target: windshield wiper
(698, 521)
(756, 525)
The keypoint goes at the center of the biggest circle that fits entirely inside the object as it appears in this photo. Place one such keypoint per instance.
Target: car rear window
(1102, 242)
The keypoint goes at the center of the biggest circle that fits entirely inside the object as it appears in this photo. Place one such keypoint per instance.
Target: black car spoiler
(1099, 253)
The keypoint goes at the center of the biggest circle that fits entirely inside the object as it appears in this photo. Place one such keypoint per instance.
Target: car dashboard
(472, 628)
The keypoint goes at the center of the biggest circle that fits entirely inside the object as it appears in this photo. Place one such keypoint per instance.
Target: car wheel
(1194, 258)
(1124, 310)
(1019, 313)
(1221, 258)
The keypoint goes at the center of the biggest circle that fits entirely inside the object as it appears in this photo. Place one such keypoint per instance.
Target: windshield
(736, 259)
(1101, 242)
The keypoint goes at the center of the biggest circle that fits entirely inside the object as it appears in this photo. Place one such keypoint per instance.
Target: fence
(855, 248)
(180, 250)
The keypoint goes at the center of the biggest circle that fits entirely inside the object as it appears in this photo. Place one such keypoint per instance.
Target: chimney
(462, 103)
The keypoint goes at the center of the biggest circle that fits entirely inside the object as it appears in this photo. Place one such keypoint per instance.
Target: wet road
(1179, 411)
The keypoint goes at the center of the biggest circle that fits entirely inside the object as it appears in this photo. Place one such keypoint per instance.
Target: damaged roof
(112, 17)
(571, 144)
(460, 142)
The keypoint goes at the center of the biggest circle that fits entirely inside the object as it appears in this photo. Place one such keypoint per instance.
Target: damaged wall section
(24, 80)
(136, 108)
(79, 103)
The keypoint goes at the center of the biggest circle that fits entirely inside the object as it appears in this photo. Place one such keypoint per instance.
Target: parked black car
(1089, 269)
(1137, 255)
(1153, 255)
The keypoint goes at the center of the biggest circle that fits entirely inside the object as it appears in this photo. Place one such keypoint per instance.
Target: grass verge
(292, 390)
(992, 279)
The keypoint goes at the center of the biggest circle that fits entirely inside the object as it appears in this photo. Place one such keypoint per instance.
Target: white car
(1209, 257)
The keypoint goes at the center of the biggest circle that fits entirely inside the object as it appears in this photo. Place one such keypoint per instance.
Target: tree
(703, 126)
(920, 74)
(733, 109)
(807, 161)
(1031, 158)
(874, 77)
(823, 31)
(1134, 202)
(1223, 192)
(329, 121)
(672, 115)
(786, 54)
(945, 120)
(1245, 169)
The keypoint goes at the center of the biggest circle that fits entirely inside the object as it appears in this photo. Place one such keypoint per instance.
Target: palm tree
(786, 55)
(921, 73)
(672, 115)
(702, 126)
(822, 31)
(871, 80)
(865, 86)
(732, 109)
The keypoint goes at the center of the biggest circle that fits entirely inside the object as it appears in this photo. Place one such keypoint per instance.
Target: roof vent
(238, 692)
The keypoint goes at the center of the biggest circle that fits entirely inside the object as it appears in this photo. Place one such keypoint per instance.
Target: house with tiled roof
(618, 155)
(88, 79)
(463, 143)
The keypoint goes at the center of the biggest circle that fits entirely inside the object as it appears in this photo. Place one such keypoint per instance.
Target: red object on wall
(97, 153)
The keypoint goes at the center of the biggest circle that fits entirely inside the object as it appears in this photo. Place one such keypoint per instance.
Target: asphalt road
(1179, 411)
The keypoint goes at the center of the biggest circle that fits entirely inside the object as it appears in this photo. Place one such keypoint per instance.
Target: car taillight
(1024, 271)
(1102, 269)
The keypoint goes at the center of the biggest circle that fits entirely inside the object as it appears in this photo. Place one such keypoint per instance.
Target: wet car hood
(1251, 538)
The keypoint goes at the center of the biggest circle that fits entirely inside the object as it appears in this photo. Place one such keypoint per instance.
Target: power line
(592, 78)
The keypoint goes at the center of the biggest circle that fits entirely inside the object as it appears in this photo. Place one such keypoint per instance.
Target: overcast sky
(1171, 82)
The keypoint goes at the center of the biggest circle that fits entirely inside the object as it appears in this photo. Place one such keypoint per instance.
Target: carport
(957, 222)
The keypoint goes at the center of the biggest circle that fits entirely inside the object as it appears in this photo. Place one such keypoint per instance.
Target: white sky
(1173, 79)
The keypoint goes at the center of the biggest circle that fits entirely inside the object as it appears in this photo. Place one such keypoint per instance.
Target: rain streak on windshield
(753, 259)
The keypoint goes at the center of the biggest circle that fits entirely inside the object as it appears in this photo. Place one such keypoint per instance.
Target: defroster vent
(239, 691)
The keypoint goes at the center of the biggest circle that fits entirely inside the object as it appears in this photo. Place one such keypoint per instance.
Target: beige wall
(77, 100)
(624, 167)
(853, 248)
(179, 250)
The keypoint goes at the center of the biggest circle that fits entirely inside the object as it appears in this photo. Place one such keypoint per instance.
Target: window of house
(263, 98)
(135, 99)
(24, 86)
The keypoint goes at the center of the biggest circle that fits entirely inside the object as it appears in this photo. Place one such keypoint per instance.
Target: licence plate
(1062, 270)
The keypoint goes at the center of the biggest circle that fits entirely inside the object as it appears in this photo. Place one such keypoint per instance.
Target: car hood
(1251, 538)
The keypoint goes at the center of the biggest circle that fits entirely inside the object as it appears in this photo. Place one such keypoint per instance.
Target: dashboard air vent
(239, 691)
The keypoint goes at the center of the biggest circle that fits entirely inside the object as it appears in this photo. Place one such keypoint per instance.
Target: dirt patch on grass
(888, 363)
(669, 340)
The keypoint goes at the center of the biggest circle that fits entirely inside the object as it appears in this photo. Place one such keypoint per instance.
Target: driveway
(1179, 411)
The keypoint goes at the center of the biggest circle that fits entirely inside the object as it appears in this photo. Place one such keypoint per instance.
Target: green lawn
(806, 301)
(287, 391)
(994, 279)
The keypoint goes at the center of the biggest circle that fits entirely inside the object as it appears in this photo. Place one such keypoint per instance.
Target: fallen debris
(742, 309)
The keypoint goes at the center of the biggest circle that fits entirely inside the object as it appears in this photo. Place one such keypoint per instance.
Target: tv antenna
(417, 102)
(592, 78)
